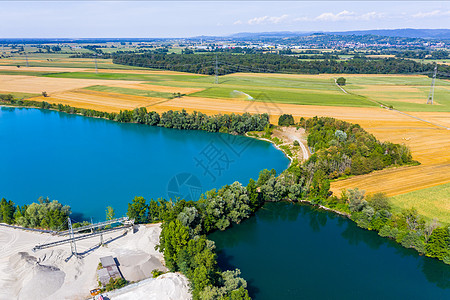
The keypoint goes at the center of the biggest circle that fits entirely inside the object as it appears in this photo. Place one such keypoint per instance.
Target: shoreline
(291, 160)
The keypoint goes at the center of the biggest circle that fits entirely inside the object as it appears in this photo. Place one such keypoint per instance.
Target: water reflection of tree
(317, 219)
(280, 211)
(243, 233)
(436, 272)
(355, 235)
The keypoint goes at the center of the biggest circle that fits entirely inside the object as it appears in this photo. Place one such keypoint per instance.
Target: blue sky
(76, 19)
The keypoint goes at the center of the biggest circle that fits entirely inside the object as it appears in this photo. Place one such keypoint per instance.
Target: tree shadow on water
(224, 262)
(355, 235)
(436, 272)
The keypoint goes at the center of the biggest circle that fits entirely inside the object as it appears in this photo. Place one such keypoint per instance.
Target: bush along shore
(232, 123)
(339, 149)
(44, 214)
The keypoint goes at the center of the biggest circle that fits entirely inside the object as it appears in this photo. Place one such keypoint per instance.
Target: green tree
(438, 244)
(110, 213)
(379, 201)
(137, 210)
(341, 81)
(7, 209)
(174, 238)
(286, 120)
(253, 195)
(356, 200)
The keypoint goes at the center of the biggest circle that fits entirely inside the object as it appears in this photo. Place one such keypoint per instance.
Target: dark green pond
(293, 251)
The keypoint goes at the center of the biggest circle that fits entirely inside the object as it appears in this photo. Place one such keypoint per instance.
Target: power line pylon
(431, 94)
(216, 72)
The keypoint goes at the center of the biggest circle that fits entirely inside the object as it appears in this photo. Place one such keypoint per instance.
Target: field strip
(158, 88)
(33, 84)
(41, 69)
(397, 181)
(420, 119)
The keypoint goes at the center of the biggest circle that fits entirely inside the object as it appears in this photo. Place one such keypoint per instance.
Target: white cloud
(267, 20)
(343, 15)
(346, 15)
(434, 13)
(238, 22)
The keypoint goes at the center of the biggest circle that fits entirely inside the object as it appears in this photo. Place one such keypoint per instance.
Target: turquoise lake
(91, 163)
(293, 251)
(287, 251)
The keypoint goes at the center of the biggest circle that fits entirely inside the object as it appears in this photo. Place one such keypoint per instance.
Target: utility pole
(431, 94)
(216, 72)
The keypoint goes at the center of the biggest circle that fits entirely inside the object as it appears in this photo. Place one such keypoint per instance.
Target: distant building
(109, 270)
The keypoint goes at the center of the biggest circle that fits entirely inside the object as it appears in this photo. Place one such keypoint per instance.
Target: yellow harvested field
(149, 71)
(32, 84)
(436, 117)
(397, 181)
(40, 69)
(110, 102)
(158, 88)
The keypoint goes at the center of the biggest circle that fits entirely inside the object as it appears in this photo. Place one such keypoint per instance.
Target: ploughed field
(75, 82)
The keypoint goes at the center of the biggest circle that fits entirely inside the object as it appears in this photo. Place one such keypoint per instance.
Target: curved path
(305, 151)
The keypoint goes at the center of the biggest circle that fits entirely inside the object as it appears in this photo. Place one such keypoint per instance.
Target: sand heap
(170, 286)
(46, 274)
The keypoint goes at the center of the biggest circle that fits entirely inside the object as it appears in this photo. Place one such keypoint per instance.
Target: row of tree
(272, 63)
(44, 214)
(226, 123)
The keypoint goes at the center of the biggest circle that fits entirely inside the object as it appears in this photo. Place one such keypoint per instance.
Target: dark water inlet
(294, 251)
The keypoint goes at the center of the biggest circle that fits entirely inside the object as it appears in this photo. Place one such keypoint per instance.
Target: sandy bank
(46, 274)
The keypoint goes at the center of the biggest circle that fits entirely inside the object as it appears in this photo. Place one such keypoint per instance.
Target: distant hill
(440, 34)
(276, 34)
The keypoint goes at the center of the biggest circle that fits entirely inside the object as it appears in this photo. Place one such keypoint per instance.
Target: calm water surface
(293, 251)
(91, 163)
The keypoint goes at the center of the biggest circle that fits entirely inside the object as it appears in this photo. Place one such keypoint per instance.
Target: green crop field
(406, 93)
(128, 91)
(298, 96)
(432, 202)
(126, 76)
(18, 95)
